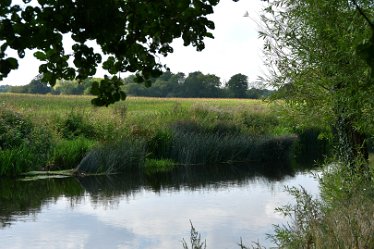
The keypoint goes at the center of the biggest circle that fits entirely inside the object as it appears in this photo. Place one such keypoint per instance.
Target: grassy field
(57, 132)
(48, 106)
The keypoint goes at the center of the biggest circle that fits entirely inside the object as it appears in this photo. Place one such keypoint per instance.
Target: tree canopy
(321, 55)
(238, 85)
(131, 35)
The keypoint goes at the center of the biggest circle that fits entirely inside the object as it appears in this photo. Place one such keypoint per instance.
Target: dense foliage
(195, 85)
(315, 50)
(131, 33)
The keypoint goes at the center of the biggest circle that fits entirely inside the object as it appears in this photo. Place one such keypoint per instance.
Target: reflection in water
(127, 211)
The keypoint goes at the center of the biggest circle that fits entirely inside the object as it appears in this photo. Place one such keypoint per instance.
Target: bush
(76, 125)
(23, 146)
(14, 129)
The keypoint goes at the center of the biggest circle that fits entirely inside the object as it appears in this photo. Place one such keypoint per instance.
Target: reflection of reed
(28, 197)
(105, 188)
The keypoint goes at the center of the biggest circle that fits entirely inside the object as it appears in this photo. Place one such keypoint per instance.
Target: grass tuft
(67, 154)
(127, 155)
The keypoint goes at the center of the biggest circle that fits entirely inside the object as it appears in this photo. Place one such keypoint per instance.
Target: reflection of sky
(158, 220)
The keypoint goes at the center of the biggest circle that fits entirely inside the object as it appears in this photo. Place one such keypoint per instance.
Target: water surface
(145, 212)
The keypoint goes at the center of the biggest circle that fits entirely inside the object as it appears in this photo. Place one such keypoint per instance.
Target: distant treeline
(195, 85)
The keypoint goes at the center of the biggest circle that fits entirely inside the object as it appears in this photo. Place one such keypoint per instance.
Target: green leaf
(40, 55)
(13, 63)
(95, 90)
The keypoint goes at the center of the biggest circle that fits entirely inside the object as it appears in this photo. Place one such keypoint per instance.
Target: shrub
(14, 129)
(24, 146)
(76, 124)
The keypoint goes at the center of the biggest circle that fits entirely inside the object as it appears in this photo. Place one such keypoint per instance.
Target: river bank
(41, 132)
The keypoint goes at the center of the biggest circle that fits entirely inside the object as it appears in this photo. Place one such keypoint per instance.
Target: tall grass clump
(67, 154)
(197, 148)
(159, 144)
(122, 156)
(195, 144)
(341, 218)
(195, 240)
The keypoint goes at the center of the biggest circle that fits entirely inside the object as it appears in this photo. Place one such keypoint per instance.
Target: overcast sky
(235, 49)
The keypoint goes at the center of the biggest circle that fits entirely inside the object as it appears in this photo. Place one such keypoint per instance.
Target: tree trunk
(352, 144)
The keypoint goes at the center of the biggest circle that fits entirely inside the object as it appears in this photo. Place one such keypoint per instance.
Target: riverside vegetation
(148, 135)
(153, 136)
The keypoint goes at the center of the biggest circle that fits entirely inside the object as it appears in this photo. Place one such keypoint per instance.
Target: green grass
(225, 130)
(67, 154)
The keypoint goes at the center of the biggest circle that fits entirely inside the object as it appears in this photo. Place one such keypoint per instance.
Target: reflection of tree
(27, 197)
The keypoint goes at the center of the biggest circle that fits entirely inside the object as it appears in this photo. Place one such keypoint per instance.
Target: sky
(236, 48)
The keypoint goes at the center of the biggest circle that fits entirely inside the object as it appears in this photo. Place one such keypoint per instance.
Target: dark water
(224, 205)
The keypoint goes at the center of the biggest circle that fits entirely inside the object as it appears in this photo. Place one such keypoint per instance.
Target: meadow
(47, 132)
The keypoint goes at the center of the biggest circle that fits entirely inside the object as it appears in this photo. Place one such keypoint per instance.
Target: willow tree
(318, 54)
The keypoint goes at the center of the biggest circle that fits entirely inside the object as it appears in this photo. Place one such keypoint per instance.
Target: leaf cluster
(131, 33)
(318, 54)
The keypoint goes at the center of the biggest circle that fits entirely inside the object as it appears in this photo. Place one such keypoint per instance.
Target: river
(133, 211)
